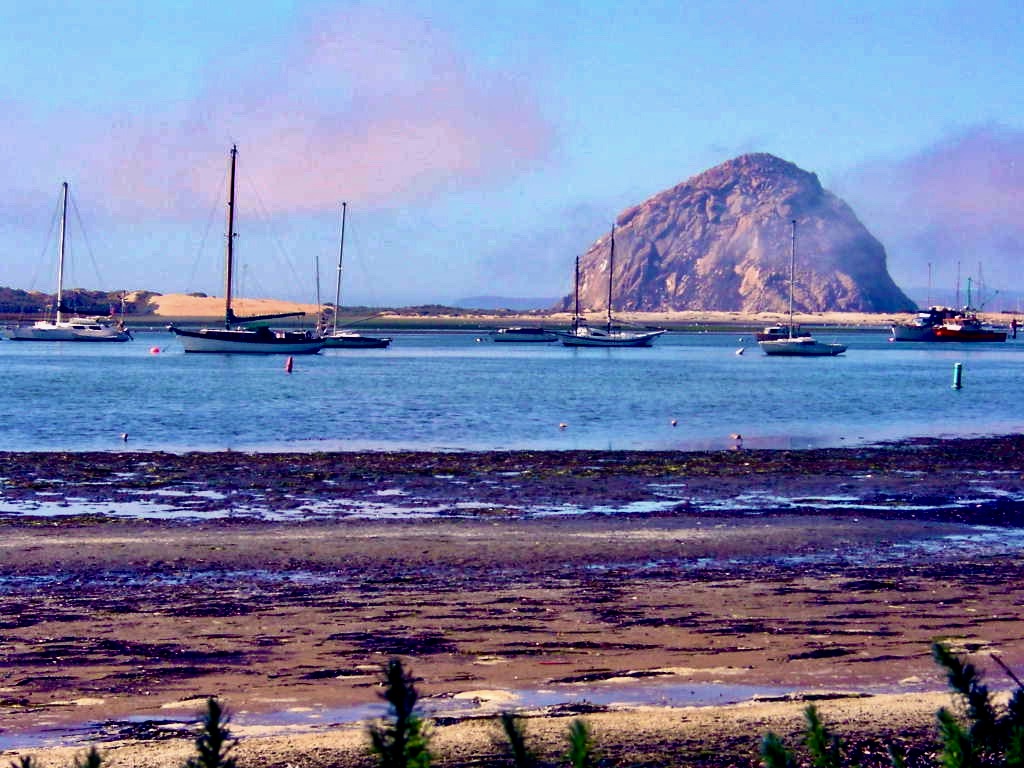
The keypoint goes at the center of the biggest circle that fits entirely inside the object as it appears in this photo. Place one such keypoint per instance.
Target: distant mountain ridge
(721, 241)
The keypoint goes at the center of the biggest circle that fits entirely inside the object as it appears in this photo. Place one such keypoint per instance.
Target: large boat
(580, 334)
(794, 345)
(922, 327)
(967, 327)
(524, 333)
(342, 338)
(237, 335)
(74, 328)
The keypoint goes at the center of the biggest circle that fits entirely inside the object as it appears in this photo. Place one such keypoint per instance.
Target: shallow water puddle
(610, 694)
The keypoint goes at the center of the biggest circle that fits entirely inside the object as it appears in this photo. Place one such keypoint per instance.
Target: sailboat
(582, 335)
(230, 339)
(342, 339)
(73, 328)
(795, 345)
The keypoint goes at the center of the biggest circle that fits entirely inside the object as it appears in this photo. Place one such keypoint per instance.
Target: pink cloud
(369, 106)
(961, 200)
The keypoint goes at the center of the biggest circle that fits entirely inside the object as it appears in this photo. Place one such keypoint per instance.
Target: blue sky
(481, 146)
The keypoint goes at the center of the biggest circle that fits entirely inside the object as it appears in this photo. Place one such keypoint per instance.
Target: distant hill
(721, 241)
(504, 302)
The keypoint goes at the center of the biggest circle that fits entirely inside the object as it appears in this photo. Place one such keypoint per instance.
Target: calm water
(448, 391)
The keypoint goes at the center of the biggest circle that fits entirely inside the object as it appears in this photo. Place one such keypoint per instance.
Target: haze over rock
(722, 240)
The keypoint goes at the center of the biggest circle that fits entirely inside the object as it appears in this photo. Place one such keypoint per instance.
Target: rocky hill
(722, 241)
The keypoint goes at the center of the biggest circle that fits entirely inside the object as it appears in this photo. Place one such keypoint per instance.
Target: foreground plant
(214, 741)
(401, 741)
(515, 735)
(581, 745)
(979, 734)
(993, 735)
(92, 759)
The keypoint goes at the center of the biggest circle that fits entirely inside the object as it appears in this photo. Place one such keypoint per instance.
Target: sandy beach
(189, 308)
(286, 581)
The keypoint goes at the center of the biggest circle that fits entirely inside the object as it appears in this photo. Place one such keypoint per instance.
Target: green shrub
(214, 740)
(402, 741)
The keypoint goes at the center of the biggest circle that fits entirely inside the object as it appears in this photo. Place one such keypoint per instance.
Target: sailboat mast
(576, 310)
(230, 256)
(60, 253)
(792, 276)
(611, 271)
(341, 254)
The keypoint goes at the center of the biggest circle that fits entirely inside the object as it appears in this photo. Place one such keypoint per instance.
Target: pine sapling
(401, 742)
(581, 745)
(92, 759)
(515, 737)
(774, 753)
(214, 741)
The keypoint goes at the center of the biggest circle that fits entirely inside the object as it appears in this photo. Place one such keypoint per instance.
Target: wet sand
(283, 582)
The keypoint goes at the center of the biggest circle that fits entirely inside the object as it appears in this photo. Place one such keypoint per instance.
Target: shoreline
(286, 581)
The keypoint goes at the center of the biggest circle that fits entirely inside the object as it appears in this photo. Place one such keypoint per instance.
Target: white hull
(912, 333)
(68, 330)
(248, 342)
(802, 346)
(594, 337)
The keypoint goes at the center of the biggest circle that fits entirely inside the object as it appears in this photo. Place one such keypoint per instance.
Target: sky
(481, 146)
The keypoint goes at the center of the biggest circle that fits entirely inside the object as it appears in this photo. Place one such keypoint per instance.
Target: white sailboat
(345, 339)
(74, 328)
(242, 340)
(798, 345)
(583, 335)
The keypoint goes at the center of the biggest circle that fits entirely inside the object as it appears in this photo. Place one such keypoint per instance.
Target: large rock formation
(722, 241)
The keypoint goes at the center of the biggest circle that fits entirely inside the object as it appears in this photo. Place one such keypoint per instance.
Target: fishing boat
(238, 336)
(968, 327)
(794, 345)
(580, 334)
(74, 328)
(341, 338)
(524, 333)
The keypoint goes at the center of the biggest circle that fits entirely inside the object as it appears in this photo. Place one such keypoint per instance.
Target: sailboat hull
(355, 341)
(585, 337)
(802, 346)
(257, 342)
(85, 330)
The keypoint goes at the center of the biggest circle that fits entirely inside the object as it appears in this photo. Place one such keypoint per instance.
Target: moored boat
(801, 346)
(794, 345)
(922, 327)
(770, 332)
(523, 333)
(344, 338)
(74, 328)
(611, 335)
(245, 339)
(968, 327)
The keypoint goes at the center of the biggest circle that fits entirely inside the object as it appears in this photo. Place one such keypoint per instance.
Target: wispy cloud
(961, 200)
(371, 106)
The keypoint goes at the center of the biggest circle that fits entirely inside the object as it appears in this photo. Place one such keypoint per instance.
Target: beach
(191, 308)
(289, 580)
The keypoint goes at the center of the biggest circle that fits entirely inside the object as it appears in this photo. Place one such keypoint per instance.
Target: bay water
(457, 391)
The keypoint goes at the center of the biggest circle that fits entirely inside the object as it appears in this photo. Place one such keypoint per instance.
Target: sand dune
(173, 306)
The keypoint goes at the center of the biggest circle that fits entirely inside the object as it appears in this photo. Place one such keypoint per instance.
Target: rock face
(722, 241)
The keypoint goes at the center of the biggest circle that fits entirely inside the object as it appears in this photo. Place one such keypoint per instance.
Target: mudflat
(643, 591)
